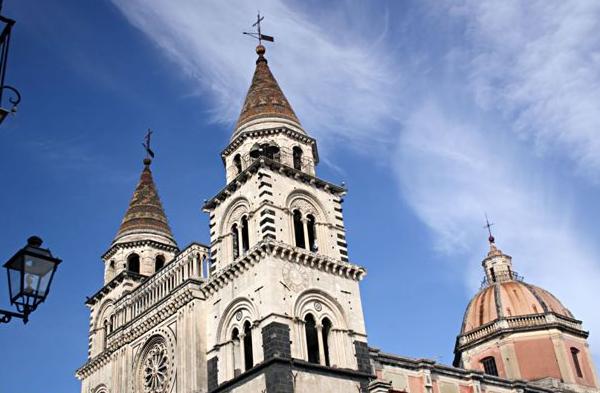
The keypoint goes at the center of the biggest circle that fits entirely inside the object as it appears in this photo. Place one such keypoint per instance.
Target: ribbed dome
(507, 299)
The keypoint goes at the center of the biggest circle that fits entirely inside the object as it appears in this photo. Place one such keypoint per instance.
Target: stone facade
(273, 303)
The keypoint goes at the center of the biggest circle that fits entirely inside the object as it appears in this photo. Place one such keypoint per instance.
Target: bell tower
(285, 308)
(144, 242)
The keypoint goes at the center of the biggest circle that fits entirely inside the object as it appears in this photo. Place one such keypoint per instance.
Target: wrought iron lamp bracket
(6, 316)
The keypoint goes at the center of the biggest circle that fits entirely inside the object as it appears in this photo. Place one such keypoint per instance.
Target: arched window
(159, 262)
(205, 267)
(235, 243)
(325, 331)
(493, 273)
(271, 151)
(489, 365)
(310, 227)
(297, 157)
(237, 162)
(235, 339)
(299, 229)
(312, 339)
(133, 263)
(575, 356)
(255, 151)
(245, 238)
(105, 334)
(248, 356)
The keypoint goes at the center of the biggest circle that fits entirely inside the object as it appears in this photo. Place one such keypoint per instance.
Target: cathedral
(273, 304)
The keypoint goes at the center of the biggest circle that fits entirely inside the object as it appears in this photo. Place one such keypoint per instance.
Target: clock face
(294, 277)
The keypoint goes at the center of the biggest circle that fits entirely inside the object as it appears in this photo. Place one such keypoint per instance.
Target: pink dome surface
(510, 299)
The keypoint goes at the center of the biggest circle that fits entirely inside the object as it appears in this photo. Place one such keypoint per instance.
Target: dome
(509, 299)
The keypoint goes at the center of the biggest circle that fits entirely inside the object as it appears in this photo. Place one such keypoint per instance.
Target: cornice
(137, 243)
(508, 325)
(239, 139)
(138, 277)
(112, 284)
(275, 166)
(453, 372)
(139, 326)
(284, 251)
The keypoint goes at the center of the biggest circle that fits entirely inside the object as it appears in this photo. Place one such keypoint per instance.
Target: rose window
(156, 369)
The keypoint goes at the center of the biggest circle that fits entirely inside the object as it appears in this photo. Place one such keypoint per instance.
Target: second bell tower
(286, 300)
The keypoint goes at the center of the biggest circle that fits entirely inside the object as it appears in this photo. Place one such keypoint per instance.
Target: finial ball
(147, 161)
(491, 239)
(260, 50)
(34, 241)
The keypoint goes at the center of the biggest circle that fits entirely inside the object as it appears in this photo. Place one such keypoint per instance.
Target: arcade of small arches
(304, 219)
(133, 263)
(304, 214)
(271, 151)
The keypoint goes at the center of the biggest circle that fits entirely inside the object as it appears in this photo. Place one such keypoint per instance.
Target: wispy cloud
(538, 62)
(530, 66)
(339, 88)
(462, 174)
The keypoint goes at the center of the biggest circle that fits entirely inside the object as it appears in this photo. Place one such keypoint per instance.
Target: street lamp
(30, 272)
(7, 25)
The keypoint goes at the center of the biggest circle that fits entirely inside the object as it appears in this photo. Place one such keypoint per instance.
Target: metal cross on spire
(489, 226)
(258, 34)
(146, 144)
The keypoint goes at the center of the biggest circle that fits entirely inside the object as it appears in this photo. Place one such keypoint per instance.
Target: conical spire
(145, 218)
(264, 99)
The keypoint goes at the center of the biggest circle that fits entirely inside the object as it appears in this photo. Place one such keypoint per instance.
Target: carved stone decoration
(304, 206)
(237, 214)
(156, 369)
(318, 306)
(238, 315)
(294, 277)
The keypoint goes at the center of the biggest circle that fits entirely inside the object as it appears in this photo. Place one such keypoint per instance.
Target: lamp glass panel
(37, 276)
(15, 282)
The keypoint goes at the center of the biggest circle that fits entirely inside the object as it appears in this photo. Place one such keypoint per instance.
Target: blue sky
(432, 112)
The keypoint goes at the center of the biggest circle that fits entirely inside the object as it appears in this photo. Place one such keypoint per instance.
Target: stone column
(235, 352)
(300, 339)
(321, 347)
(240, 240)
(242, 352)
(305, 226)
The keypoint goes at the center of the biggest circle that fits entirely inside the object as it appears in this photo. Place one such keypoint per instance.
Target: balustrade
(158, 287)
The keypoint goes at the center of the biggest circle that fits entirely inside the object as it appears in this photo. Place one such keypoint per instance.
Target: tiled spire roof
(145, 218)
(264, 98)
